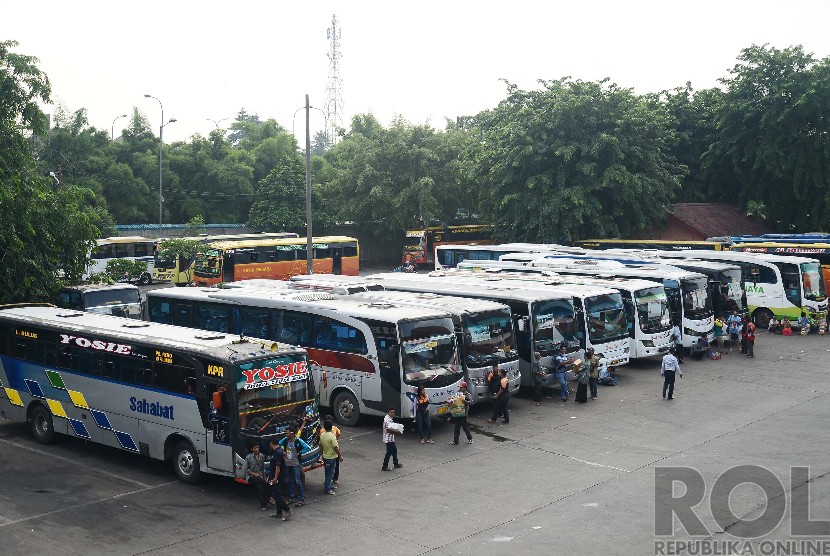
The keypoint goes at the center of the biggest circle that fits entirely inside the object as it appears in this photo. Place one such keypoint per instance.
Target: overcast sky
(425, 61)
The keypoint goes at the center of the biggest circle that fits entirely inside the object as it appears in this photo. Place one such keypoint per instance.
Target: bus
(419, 244)
(818, 250)
(713, 244)
(645, 301)
(197, 399)
(179, 271)
(278, 258)
(688, 294)
(120, 300)
(775, 284)
(450, 256)
(550, 316)
(485, 330)
(134, 248)
(366, 355)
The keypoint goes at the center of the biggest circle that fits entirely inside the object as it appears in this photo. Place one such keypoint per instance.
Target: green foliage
(181, 249)
(573, 160)
(124, 270)
(279, 200)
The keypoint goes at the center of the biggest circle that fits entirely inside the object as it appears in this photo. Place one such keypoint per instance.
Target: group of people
(803, 325)
(737, 331)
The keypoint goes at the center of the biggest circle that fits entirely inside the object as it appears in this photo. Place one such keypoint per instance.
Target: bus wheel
(186, 463)
(41, 424)
(145, 279)
(346, 410)
(761, 317)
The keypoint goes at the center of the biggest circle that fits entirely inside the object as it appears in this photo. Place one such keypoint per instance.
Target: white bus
(688, 294)
(134, 248)
(645, 301)
(120, 300)
(485, 328)
(775, 284)
(366, 355)
(176, 394)
(450, 256)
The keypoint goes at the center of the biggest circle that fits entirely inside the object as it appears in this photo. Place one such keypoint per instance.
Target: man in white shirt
(668, 369)
(389, 440)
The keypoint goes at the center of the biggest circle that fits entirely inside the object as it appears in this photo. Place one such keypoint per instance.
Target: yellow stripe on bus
(78, 399)
(57, 408)
(14, 397)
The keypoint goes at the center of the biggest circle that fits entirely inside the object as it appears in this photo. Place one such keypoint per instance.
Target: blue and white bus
(197, 399)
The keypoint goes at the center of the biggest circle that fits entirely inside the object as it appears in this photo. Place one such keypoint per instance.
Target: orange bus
(275, 258)
(419, 245)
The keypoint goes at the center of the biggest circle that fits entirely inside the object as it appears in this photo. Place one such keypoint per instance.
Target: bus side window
(160, 311)
(295, 329)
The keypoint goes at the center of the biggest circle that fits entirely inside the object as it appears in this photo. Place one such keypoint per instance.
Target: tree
(46, 229)
(182, 249)
(279, 199)
(573, 160)
(773, 127)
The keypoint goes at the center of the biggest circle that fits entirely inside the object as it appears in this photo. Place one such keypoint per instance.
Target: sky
(424, 61)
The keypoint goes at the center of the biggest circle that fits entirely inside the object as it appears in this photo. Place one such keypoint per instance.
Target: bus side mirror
(217, 400)
(521, 323)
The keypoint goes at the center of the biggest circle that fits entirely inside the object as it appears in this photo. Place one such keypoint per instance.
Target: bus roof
(783, 248)
(615, 282)
(124, 239)
(279, 241)
(457, 227)
(736, 256)
(304, 300)
(226, 347)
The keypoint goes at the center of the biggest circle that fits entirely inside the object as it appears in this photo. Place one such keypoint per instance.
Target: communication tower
(334, 86)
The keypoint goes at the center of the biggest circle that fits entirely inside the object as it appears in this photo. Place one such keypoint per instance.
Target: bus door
(336, 260)
(227, 266)
(675, 301)
(581, 327)
(389, 354)
(217, 425)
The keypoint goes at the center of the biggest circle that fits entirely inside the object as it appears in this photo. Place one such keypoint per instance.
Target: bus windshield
(272, 392)
(696, 302)
(813, 282)
(652, 309)
(606, 317)
(207, 263)
(489, 338)
(555, 325)
(732, 293)
(164, 262)
(102, 298)
(414, 239)
(429, 351)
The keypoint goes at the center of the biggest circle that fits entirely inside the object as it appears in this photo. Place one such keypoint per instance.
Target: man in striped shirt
(668, 369)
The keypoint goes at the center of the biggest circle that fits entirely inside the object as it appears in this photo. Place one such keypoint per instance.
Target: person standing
(744, 346)
(494, 382)
(582, 372)
(733, 326)
(255, 475)
(592, 362)
(677, 337)
(331, 455)
(539, 375)
(668, 369)
(562, 361)
(502, 399)
(389, 440)
(422, 417)
(336, 430)
(276, 479)
(750, 339)
(719, 332)
(459, 408)
(293, 447)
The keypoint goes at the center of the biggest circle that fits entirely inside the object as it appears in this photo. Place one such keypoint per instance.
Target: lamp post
(161, 143)
(308, 232)
(112, 131)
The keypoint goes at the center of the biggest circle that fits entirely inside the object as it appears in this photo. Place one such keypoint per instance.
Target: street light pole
(309, 242)
(161, 130)
(112, 131)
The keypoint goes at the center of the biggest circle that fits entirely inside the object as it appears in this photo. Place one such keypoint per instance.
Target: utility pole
(308, 232)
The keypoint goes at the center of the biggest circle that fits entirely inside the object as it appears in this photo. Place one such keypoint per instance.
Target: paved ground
(559, 479)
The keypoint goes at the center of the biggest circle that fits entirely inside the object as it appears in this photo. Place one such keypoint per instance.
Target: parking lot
(559, 479)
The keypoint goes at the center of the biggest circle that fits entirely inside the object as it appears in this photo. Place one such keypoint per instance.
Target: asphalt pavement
(559, 479)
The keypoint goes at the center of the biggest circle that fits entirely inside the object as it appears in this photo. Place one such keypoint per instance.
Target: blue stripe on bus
(79, 428)
(101, 419)
(126, 441)
(34, 388)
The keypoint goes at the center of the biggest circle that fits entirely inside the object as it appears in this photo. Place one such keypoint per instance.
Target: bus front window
(813, 282)
(489, 338)
(652, 310)
(696, 302)
(554, 325)
(429, 352)
(605, 317)
(164, 263)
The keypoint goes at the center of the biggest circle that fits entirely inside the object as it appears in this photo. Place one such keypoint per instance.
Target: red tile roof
(717, 219)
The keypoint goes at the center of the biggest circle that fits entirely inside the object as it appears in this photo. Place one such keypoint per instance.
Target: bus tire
(186, 463)
(761, 318)
(145, 279)
(346, 409)
(43, 429)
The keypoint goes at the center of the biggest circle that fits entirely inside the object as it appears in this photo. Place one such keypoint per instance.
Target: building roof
(717, 219)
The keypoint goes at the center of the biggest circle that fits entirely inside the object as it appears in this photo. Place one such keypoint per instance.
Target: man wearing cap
(458, 410)
(668, 369)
